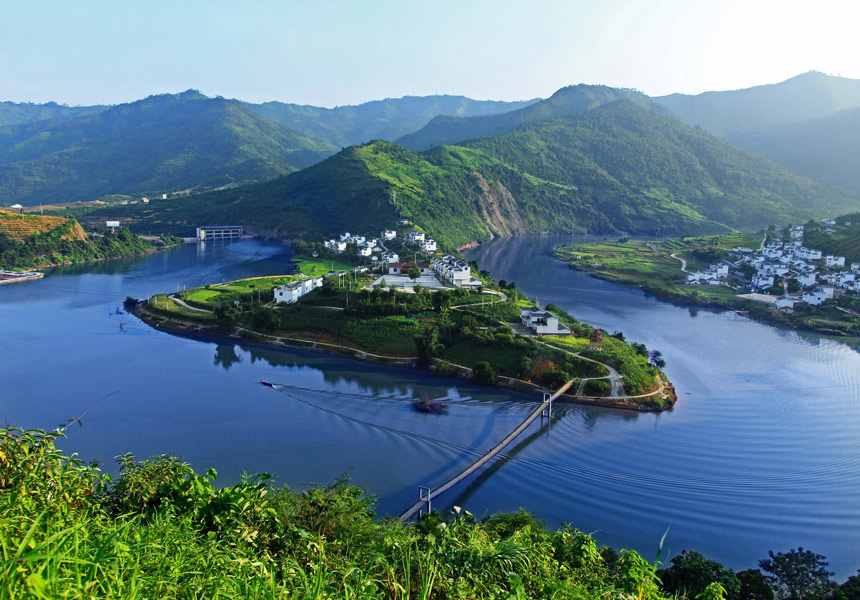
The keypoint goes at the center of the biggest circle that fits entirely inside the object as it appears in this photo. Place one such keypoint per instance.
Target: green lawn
(201, 294)
(316, 267)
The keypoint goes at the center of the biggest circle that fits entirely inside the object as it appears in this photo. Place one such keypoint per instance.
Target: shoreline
(48, 267)
(740, 307)
(202, 332)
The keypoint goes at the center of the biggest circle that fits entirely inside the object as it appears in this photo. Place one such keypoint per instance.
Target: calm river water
(762, 451)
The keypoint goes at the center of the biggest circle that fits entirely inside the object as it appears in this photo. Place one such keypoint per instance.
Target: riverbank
(661, 268)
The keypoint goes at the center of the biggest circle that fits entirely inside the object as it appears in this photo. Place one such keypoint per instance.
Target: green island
(29, 241)
(160, 530)
(475, 334)
(656, 267)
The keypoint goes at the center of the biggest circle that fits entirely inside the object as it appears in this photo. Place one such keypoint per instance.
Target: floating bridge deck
(426, 495)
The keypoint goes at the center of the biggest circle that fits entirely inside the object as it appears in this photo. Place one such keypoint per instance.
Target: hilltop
(386, 119)
(567, 101)
(17, 227)
(618, 167)
(812, 95)
(18, 113)
(162, 143)
(35, 241)
(809, 124)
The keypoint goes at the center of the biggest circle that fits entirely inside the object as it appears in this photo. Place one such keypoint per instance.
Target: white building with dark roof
(542, 322)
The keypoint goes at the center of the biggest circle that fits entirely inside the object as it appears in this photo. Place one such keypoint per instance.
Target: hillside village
(784, 273)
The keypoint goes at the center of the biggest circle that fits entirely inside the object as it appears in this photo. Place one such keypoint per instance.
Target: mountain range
(620, 166)
(589, 157)
(808, 123)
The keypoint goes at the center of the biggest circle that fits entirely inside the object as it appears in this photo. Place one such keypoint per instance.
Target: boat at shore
(18, 276)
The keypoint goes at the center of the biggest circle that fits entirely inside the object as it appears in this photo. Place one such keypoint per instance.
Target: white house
(413, 237)
(391, 257)
(807, 279)
(403, 268)
(364, 250)
(828, 222)
(290, 293)
(542, 322)
(389, 234)
(345, 237)
(784, 303)
(454, 271)
(834, 261)
(428, 245)
(763, 281)
(742, 250)
(815, 297)
(337, 246)
(855, 267)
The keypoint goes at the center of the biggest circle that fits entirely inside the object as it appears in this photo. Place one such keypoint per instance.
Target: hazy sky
(345, 52)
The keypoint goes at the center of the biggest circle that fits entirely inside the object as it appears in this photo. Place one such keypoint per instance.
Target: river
(761, 451)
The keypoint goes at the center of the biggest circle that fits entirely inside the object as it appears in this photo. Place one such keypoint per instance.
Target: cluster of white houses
(420, 239)
(819, 276)
(369, 246)
(290, 293)
(363, 246)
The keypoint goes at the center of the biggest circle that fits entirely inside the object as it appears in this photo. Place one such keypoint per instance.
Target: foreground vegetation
(456, 332)
(33, 241)
(651, 266)
(160, 530)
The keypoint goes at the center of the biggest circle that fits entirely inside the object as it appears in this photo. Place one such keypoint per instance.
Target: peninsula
(422, 315)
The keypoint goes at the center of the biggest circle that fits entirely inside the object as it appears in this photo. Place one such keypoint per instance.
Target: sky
(336, 52)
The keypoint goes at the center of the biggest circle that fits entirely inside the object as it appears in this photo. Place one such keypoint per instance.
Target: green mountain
(386, 119)
(618, 167)
(827, 149)
(812, 95)
(18, 113)
(159, 144)
(566, 101)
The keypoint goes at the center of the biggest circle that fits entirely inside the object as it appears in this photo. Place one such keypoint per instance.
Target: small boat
(425, 406)
(268, 383)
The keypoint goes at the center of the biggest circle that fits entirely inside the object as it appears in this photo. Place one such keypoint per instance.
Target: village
(784, 273)
(439, 272)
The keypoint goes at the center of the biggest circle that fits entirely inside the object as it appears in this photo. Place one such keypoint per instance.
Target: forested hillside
(386, 119)
(809, 96)
(17, 113)
(619, 167)
(160, 144)
(567, 101)
(827, 149)
(34, 241)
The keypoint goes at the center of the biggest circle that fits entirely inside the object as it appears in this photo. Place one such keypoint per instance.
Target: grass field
(316, 267)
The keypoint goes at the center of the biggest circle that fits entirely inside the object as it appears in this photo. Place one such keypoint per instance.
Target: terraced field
(18, 227)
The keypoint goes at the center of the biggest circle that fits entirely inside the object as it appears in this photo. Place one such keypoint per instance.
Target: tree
(413, 273)
(798, 575)
(850, 590)
(484, 373)
(754, 586)
(657, 359)
(691, 574)
(441, 301)
(428, 345)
